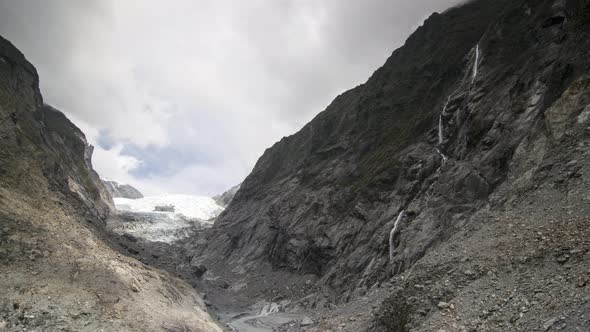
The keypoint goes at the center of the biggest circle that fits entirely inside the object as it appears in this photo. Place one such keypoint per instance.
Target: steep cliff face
(122, 190)
(39, 141)
(468, 103)
(68, 161)
(59, 271)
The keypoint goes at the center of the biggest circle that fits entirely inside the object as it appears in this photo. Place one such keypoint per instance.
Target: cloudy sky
(183, 96)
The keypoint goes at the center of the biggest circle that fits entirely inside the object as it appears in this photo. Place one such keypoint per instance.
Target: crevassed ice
(194, 207)
(163, 229)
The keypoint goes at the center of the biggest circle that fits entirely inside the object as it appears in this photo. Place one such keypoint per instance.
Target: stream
(261, 323)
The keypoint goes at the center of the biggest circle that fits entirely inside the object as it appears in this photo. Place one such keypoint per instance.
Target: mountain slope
(460, 119)
(351, 169)
(122, 190)
(59, 271)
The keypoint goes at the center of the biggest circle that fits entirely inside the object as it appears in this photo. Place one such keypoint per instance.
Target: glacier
(188, 206)
(139, 218)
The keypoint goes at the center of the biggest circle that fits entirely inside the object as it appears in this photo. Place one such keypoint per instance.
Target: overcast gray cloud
(183, 96)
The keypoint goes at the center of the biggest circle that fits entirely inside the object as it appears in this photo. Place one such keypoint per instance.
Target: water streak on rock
(392, 233)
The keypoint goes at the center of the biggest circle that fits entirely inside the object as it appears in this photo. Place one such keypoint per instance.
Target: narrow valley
(448, 192)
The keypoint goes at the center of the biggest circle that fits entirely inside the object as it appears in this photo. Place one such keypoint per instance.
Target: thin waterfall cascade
(444, 157)
(392, 233)
(444, 160)
(476, 63)
(440, 130)
(441, 134)
(441, 126)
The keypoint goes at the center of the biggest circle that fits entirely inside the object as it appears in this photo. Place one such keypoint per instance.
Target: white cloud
(112, 165)
(216, 81)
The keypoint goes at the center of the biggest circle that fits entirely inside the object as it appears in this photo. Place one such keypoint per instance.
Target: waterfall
(440, 130)
(444, 160)
(476, 63)
(392, 233)
(441, 134)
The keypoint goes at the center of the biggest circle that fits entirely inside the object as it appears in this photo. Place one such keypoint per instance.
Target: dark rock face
(226, 198)
(324, 200)
(38, 141)
(122, 190)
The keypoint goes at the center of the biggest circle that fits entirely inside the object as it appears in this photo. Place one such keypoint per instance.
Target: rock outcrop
(122, 190)
(458, 120)
(59, 270)
(38, 138)
(226, 198)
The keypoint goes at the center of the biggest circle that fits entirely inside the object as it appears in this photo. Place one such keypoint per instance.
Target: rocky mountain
(226, 198)
(452, 183)
(60, 271)
(447, 193)
(121, 190)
